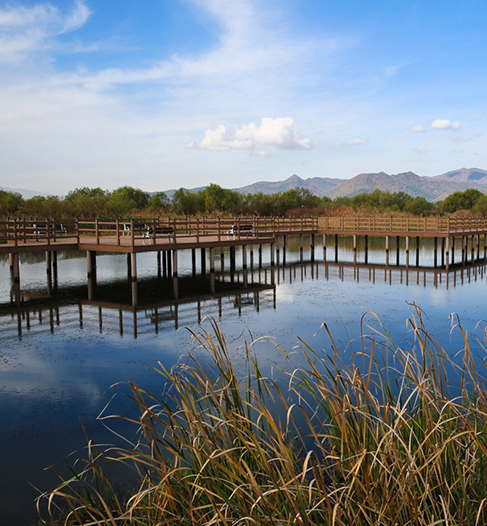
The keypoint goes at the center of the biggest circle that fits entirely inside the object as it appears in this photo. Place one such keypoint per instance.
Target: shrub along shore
(398, 436)
(89, 203)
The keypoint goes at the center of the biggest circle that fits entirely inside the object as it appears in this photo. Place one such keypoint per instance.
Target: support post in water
(212, 259)
(244, 257)
(336, 248)
(436, 252)
(387, 251)
(324, 247)
(407, 251)
(91, 263)
(15, 267)
(312, 247)
(175, 263)
(397, 250)
(193, 260)
(417, 251)
(133, 266)
(203, 260)
(447, 252)
(366, 248)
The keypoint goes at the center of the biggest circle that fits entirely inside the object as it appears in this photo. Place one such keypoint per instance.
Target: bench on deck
(145, 230)
(156, 231)
(47, 228)
(246, 228)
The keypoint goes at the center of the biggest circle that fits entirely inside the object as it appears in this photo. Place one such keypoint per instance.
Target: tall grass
(380, 441)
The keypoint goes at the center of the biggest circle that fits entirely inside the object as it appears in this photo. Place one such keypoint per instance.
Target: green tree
(127, 198)
(460, 201)
(158, 201)
(10, 202)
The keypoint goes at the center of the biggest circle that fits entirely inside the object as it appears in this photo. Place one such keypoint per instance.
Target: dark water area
(69, 348)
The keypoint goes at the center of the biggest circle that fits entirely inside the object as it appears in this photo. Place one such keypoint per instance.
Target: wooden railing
(403, 225)
(177, 229)
(21, 231)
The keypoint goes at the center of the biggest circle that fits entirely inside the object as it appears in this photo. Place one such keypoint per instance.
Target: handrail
(127, 232)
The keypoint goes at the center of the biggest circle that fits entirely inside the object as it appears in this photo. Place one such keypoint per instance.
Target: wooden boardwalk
(167, 236)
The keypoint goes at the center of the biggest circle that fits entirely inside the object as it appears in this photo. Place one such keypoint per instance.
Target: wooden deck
(403, 226)
(132, 236)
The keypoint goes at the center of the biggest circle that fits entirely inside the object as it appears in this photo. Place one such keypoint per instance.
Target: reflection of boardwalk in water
(426, 276)
(215, 295)
(89, 309)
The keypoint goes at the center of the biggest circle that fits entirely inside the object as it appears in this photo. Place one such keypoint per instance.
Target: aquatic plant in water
(382, 440)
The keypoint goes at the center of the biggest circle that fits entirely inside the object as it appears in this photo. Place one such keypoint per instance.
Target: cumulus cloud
(25, 30)
(480, 115)
(445, 124)
(418, 128)
(279, 133)
(356, 142)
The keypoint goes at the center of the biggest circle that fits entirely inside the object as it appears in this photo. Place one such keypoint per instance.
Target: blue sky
(160, 94)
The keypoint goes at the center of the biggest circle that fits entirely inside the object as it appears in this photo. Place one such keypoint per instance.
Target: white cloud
(455, 138)
(356, 142)
(278, 133)
(25, 30)
(445, 124)
(457, 150)
(419, 150)
(418, 128)
(480, 115)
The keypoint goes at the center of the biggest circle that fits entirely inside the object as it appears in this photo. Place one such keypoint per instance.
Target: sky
(163, 94)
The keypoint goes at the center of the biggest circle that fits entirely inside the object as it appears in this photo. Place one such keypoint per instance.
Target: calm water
(63, 358)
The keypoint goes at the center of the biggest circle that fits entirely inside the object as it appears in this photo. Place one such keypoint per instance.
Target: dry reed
(381, 441)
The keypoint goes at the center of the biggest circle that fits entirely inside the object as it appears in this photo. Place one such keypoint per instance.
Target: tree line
(87, 203)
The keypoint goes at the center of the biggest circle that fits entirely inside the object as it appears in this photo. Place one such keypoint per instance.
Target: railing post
(197, 230)
(97, 233)
(132, 233)
(219, 228)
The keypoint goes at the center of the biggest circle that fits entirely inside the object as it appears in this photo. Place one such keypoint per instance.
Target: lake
(64, 357)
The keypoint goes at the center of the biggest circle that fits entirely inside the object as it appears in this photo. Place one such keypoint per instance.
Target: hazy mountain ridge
(431, 188)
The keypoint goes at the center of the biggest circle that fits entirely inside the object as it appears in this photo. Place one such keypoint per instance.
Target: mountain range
(432, 188)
